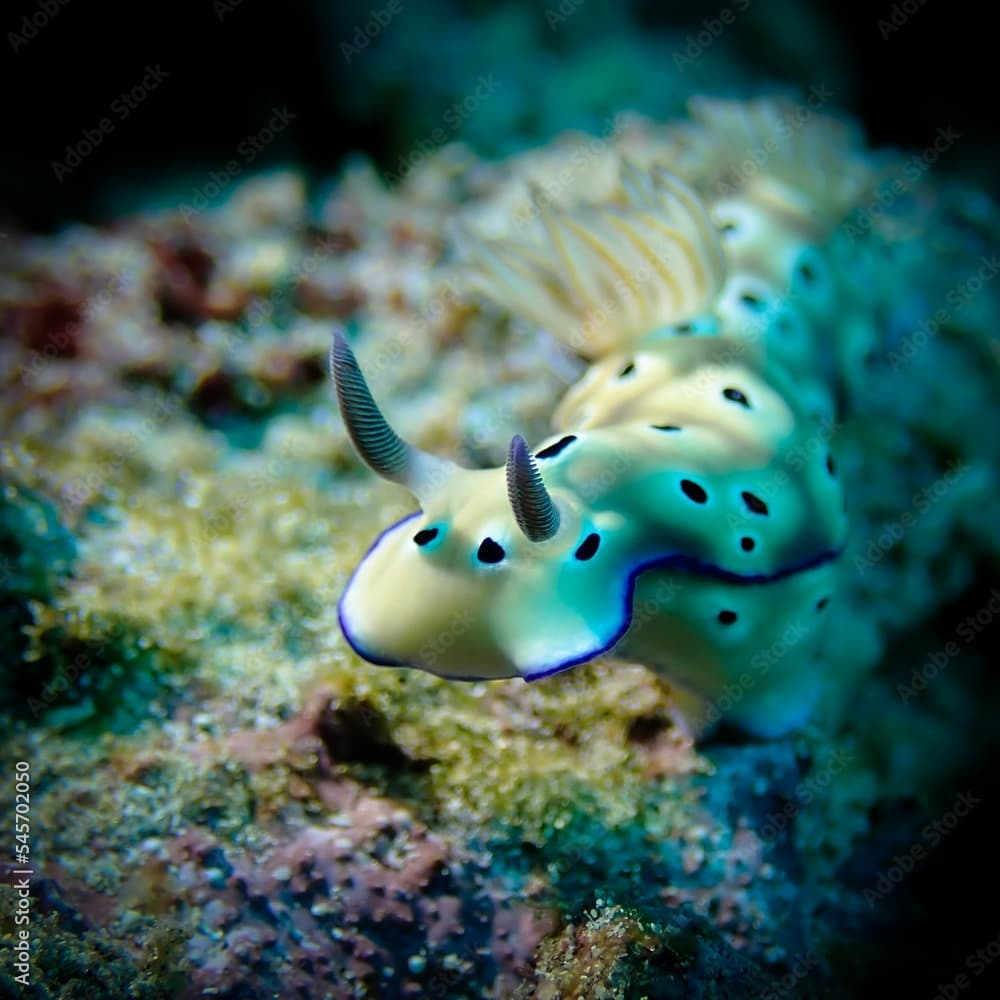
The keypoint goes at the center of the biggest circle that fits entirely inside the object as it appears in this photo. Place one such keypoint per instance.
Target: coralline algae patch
(181, 511)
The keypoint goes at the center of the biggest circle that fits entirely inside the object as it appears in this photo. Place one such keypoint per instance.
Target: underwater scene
(499, 500)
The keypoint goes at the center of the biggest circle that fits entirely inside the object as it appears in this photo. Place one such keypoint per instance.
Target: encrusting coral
(222, 763)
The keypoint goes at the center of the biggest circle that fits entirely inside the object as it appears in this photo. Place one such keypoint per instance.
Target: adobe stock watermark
(788, 123)
(261, 311)
(34, 23)
(709, 32)
(454, 117)
(248, 149)
(75, 493)
(364, 34)
(795, 459)
(893, 532)
(121, 107)
(57, 341)
(930, 836)
(957, 298)
(968, 630)
(864, 217)
(224, 7)
(554, 16)
(805, 791)
(549, 188)
(223, 522)
(446, 296)
(761, 664)
(621, 293)
(432, 651)
(976, 962)
(70, 675)
(734, 691)
(21, 885)
(897, 17)
(646, 608)
(785, 986)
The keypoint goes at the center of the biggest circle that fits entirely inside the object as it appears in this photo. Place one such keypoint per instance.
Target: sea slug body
(686, 513)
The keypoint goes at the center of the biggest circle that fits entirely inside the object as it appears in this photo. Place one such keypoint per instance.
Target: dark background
(229, 67)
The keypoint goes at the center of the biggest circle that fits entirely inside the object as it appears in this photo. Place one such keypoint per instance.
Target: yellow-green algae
(235, 567)
(613, 951)
(83, 964)
(239, 577)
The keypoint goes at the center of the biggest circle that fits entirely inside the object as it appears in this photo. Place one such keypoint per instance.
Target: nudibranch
(681, 514)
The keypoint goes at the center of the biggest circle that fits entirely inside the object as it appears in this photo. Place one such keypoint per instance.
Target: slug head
(496, 575)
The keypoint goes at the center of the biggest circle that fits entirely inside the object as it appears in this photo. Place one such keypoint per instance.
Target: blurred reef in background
(353, 86)
(226, 801)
